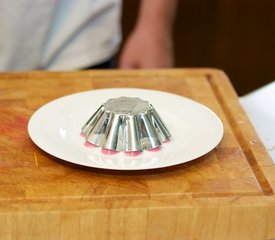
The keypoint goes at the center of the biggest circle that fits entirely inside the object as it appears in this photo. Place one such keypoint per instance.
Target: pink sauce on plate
(108, 151)
(133, 153)
(129, 153)
(156, 149)
(90, 145)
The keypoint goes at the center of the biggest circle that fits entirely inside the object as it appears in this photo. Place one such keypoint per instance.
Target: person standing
(76, 34)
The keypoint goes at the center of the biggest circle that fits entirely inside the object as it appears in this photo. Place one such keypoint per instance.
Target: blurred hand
(146, 48)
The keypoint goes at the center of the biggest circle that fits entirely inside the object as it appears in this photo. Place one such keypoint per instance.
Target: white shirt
(58, 34)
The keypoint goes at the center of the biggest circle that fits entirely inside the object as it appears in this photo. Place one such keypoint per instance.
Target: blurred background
(237, 36)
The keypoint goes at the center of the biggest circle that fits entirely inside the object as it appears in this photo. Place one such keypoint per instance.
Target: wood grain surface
(226, 194)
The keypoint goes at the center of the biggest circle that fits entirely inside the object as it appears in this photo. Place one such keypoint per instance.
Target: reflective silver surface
(126, 124)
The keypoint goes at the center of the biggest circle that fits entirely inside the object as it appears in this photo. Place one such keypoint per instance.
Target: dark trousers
(111, 63)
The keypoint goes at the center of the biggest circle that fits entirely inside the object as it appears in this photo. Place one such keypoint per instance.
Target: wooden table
(226, 194)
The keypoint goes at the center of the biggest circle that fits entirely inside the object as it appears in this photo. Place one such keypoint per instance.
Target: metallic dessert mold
(126, 124)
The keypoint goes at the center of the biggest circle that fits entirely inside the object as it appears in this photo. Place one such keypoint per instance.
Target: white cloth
(58, 34)
(260, 108)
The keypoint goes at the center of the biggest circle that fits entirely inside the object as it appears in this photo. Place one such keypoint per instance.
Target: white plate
(56, 127)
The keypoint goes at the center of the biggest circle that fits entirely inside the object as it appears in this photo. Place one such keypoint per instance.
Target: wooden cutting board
(226, 194)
